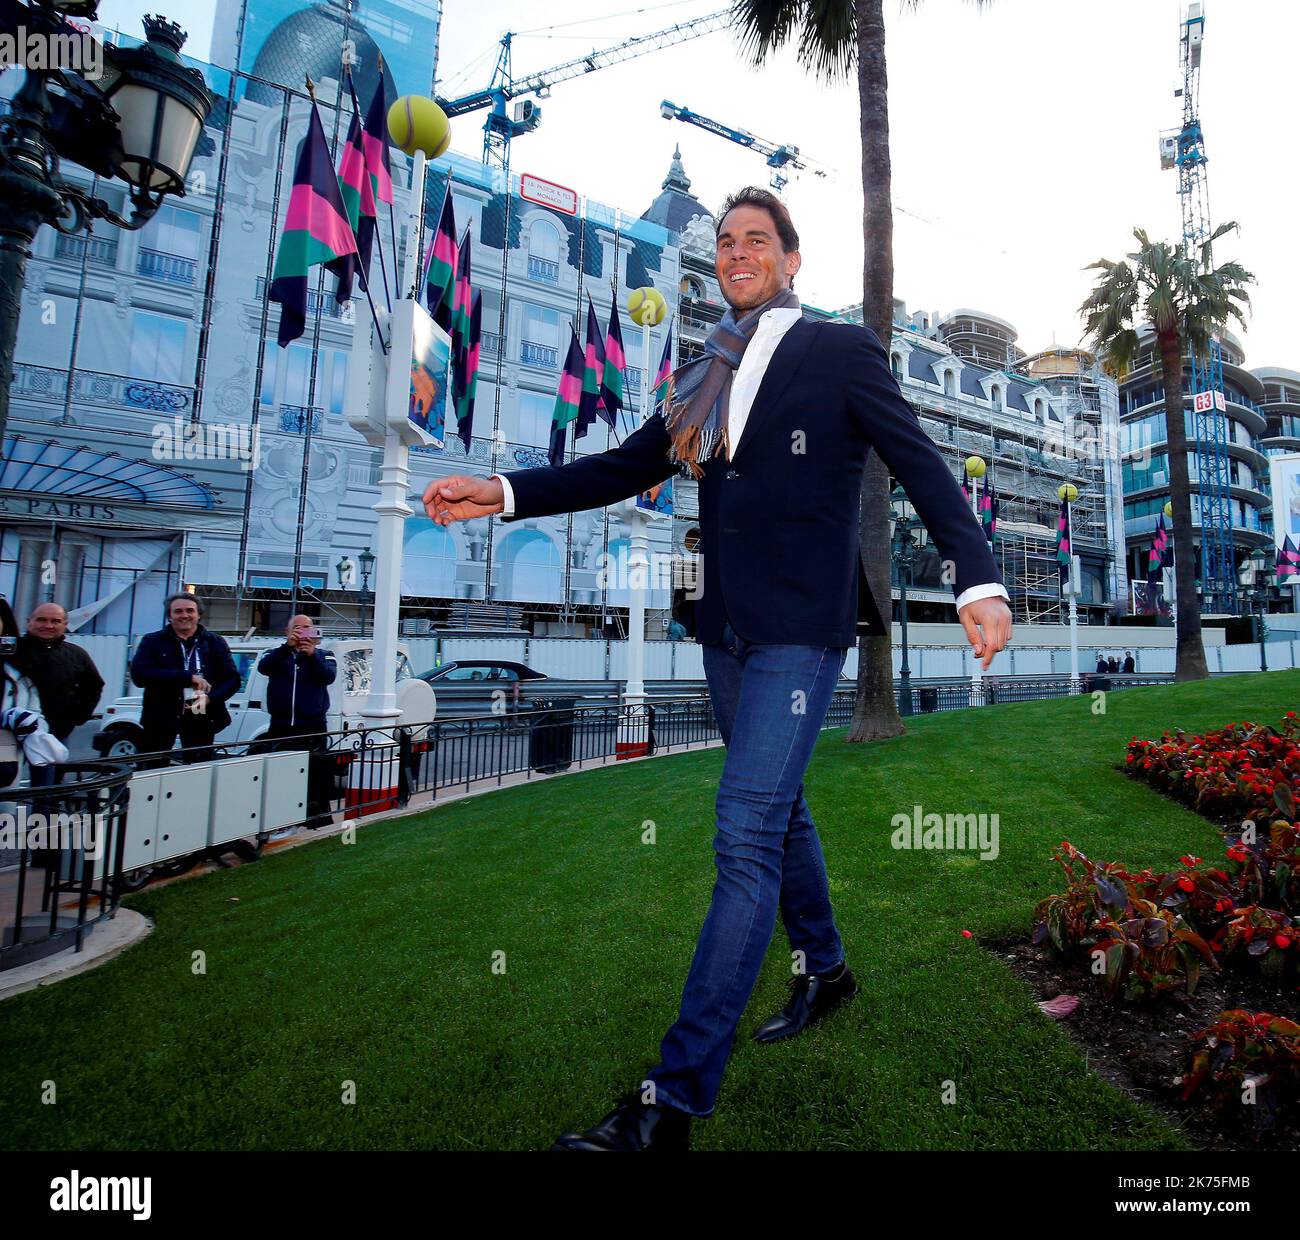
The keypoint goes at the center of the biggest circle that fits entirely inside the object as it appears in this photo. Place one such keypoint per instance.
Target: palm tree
(1184, 300)
(835, 37)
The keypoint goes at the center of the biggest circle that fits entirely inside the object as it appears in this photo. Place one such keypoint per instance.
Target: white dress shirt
(744, 387)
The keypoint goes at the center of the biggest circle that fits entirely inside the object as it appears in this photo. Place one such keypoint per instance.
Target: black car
(476, 686)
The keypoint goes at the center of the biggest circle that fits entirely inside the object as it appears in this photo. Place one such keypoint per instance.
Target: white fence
(597, 659)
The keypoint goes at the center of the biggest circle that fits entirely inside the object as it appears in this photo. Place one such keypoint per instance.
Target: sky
(1024, 139)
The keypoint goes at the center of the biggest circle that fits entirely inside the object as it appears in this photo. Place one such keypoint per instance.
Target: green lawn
(373, 963)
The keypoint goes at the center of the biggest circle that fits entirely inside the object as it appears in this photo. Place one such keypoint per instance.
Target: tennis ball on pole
(975, 466)
(418, 124)
(647, 306)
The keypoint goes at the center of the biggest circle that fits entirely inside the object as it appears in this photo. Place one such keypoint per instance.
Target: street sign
(548, 194)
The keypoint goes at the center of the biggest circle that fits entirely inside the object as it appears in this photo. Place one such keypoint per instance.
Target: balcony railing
(49, 383)
(102, 250)
(539, 355)
(315, 301)
(293, 419)
(491, 344)
(170, 268)
(543, 269)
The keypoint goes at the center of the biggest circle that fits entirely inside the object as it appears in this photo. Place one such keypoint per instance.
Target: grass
(374, 963)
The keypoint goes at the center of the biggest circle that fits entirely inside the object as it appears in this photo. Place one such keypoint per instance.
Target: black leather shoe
(813, 996)
(633, 1125)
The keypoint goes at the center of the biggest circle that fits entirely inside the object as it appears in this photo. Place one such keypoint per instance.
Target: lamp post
(367, 562)
(139, 118)
(907, 537)
(1254, 590)
(1068, 492)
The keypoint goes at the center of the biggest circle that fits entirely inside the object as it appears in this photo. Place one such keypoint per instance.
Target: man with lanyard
(298, 677)
(187, 675)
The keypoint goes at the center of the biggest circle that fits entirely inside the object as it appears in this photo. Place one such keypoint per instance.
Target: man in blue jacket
(187, 676)
(776, 422)
(298, 676)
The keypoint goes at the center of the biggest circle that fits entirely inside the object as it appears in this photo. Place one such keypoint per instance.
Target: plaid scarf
(699, 393)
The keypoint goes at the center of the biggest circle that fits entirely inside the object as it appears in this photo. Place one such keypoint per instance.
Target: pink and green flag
(465, 383)
(1156, 557)
(375, 143)
(591, 405)
(665, 369)
(462, 304)
(316, 230)
(567, 399)
(611, 381)
(1288, 561)
(440, 266)
(1063, 544)
(358, 201)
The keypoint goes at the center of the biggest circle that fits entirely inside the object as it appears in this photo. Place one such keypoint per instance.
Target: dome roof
(310, 41)
(676, 206)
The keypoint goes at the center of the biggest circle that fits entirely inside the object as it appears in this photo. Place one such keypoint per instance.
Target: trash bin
(929, 695)
(550, 739)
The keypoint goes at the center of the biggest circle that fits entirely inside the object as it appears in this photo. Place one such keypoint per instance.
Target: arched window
(530, 568)
(950, 383)
(896, 365)
(996, 396)
(428, 559)
(544, 251)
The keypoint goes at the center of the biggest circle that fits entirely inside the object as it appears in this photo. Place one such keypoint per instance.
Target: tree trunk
(1190, 661)
(875, 710)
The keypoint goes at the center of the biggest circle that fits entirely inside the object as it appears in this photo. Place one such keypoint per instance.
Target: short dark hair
(181, 594)
(765, 200)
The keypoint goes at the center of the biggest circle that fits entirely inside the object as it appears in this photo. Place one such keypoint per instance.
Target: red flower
(1281, 940)
(1186, 884)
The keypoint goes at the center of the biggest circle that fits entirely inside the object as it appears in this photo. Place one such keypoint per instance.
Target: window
(996, 397)
(541, 343)
(169, 246)
(535, 411)
(544, 251)
(157, 347)
(338, 379)
(949, 383)
(896, 365)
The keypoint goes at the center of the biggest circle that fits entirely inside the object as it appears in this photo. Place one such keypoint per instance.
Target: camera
(8, 647)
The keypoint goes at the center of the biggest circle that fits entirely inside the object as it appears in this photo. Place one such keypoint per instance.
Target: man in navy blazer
(800, 407)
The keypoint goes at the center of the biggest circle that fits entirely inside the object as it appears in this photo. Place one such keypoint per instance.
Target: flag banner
(1156, 556)
(612, 387)
(1288, 563)
(316, 230)
(567, 399)
(358, 201)
(375, 140)
(467, 375)
(986, 504)
(440, 266)
(462, 303)
(430, 373)
(665, 368)
(965, 484)
(658, 500)
(593, 368)
(1063, 545)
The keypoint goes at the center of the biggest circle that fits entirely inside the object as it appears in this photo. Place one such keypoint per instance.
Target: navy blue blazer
(779, 521)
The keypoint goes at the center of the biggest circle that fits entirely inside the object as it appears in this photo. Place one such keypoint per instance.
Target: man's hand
(993, 616)
(200, 684)
(462, 499)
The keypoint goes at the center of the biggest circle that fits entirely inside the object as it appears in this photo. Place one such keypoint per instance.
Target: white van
(121, 734)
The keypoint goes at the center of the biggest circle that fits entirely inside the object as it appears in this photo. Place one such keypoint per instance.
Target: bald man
(298, 676)
(65, 676)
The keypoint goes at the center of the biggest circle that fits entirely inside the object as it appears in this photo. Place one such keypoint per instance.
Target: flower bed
(1151, 938)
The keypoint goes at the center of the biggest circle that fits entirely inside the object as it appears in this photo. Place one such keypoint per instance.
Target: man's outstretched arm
(634, 466)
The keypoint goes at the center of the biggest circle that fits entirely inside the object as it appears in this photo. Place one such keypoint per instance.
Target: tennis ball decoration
(647, 306)
(418, 124)
(1068, 492)
(975, 467)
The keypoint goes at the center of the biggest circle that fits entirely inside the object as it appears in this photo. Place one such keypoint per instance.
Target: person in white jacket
(27, 749)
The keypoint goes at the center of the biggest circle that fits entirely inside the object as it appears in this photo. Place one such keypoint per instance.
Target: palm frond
(828, 44)
(765, 25)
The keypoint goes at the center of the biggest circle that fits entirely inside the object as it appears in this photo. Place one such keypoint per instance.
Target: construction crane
(504, 123)
(779, 158)
(1184, 149)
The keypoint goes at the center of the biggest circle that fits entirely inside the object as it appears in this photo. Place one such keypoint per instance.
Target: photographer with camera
(298, 676)
(187, 675)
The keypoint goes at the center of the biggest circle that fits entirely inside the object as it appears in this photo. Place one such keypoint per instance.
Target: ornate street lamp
(139, 120)
(1254, 569)
(908, 536)
(367, 562)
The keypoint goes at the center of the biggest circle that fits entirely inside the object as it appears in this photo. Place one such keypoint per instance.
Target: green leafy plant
(1249, 1057)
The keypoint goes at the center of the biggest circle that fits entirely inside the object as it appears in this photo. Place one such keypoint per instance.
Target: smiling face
(183, 616)
(751, 265)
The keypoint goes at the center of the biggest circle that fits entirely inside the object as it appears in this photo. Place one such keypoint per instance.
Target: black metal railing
(62, 850)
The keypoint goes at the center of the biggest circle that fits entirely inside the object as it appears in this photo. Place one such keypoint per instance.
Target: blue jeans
(770, 702)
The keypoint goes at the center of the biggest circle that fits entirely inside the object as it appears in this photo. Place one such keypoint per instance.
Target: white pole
(394, 483)
(638, 558)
